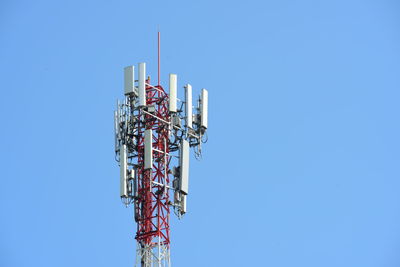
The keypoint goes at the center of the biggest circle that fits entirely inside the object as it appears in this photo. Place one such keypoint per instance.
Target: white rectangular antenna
(142, 84)
(172, 92)
(188, 108)
(118, 113)
(184, 166)
(183, 204)
(148, 149)
(116, 131)
(123, 171)
(129, 80)
(204, 108)
(135, 182)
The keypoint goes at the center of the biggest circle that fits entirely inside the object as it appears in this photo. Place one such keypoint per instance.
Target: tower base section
(156, 255)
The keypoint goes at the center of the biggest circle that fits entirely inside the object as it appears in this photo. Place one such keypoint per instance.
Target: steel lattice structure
(149, 137)
(152, 207)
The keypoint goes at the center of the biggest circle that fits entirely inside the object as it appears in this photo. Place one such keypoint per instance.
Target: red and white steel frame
(153, 205)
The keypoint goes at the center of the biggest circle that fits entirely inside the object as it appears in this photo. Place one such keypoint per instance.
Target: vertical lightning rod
(158, 58)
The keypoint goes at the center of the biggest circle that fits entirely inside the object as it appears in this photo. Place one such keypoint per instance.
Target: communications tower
(154, 131)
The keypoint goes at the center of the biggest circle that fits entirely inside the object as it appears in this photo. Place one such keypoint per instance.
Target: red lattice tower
(153, 208)
(151, 130)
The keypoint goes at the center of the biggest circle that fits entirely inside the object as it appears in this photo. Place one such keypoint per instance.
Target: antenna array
(153, 131)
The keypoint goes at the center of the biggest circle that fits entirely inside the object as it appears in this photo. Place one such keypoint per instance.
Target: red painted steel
(153, 207)
(158, 46)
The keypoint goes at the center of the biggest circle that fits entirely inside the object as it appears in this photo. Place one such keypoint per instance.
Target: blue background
(302, 164)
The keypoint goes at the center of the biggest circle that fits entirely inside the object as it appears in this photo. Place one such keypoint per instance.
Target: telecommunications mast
(154, 130)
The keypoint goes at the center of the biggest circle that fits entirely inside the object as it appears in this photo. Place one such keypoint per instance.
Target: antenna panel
(129, 80)
(142, 84)
(148, 149)
(172, 92)
(183, 204)
(204, 108)
(135, 182)
(184, 170)
(123, 170)
(188, 107)
(115, 131)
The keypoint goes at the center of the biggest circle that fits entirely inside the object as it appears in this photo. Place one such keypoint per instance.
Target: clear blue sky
(302, 167)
